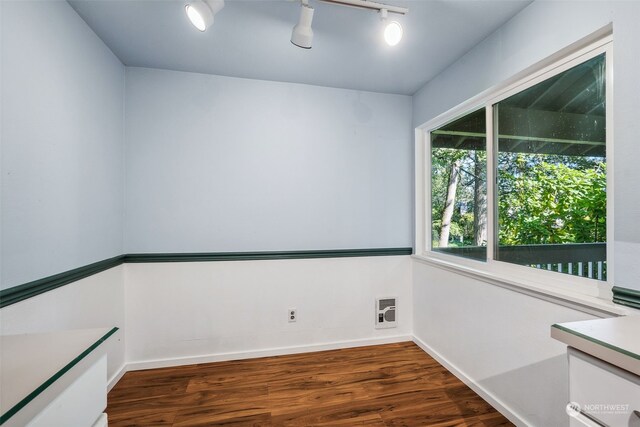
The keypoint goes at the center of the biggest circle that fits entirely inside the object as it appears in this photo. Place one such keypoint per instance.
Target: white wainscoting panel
(190, 312)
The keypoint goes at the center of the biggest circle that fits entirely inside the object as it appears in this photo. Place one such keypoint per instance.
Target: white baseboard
(494, 401)
(191, 360)
(116, 377)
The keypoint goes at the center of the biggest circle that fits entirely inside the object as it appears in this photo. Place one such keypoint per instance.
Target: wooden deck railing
(578, 259)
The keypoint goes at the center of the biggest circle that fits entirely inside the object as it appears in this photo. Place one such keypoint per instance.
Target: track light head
(201, 12)
(393, 33)
(302, 34)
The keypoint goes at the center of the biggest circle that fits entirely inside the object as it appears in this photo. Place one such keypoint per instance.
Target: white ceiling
(250, 38)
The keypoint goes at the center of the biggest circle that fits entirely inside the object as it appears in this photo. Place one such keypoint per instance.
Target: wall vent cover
(386, 312)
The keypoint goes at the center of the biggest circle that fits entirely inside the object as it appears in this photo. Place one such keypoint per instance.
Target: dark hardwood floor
(385, 385)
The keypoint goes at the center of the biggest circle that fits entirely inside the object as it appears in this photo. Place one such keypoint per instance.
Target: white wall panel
(236, 309)
(498, 338)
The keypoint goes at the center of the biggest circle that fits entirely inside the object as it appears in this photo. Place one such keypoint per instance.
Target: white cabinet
(605, 394)
(81, 403)
(55, 379)
(604, 370)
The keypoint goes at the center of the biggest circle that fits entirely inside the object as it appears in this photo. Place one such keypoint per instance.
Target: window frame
(547, 282)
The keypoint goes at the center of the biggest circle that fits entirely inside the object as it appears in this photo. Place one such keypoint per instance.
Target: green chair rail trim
(11, 412)
(253, 256)
(37, 287)
(22, 292)
(625, 296)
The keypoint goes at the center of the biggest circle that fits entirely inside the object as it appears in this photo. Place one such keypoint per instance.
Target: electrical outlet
(292, 314)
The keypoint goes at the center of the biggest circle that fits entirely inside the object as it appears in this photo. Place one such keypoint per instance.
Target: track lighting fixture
(393, 30)
(302, 34)
(201, 12)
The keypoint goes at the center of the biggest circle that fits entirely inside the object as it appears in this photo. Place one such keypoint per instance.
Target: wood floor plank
(257, 420)
(219, 415)
(149, 411)
(132, 393)
(312, 394)
(487, 420)
(387, 385)
(356, 413)
(432, 407)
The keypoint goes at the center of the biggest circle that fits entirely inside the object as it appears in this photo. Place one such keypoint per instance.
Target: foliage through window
(459, 187)
(551, 163)
(550, 206)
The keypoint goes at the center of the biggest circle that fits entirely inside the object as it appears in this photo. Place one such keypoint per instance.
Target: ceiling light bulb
(195, 17)
(302, 34)
(201, 12)
(393, 33)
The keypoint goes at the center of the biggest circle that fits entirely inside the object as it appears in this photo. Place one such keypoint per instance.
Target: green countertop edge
(18, 406)
(597, 341)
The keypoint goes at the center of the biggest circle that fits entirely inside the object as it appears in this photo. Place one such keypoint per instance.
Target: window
(551, 170)
(459, 187)
(519, 176)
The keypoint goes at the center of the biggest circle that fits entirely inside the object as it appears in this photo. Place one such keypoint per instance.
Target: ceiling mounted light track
(302, 34)
(372, 5)
(201, 12)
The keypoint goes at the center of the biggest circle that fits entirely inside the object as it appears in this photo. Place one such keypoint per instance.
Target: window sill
(589, 304)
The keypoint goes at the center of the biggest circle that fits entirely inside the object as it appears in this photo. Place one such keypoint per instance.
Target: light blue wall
(227, 164)
(539, 31)
(62, 143)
